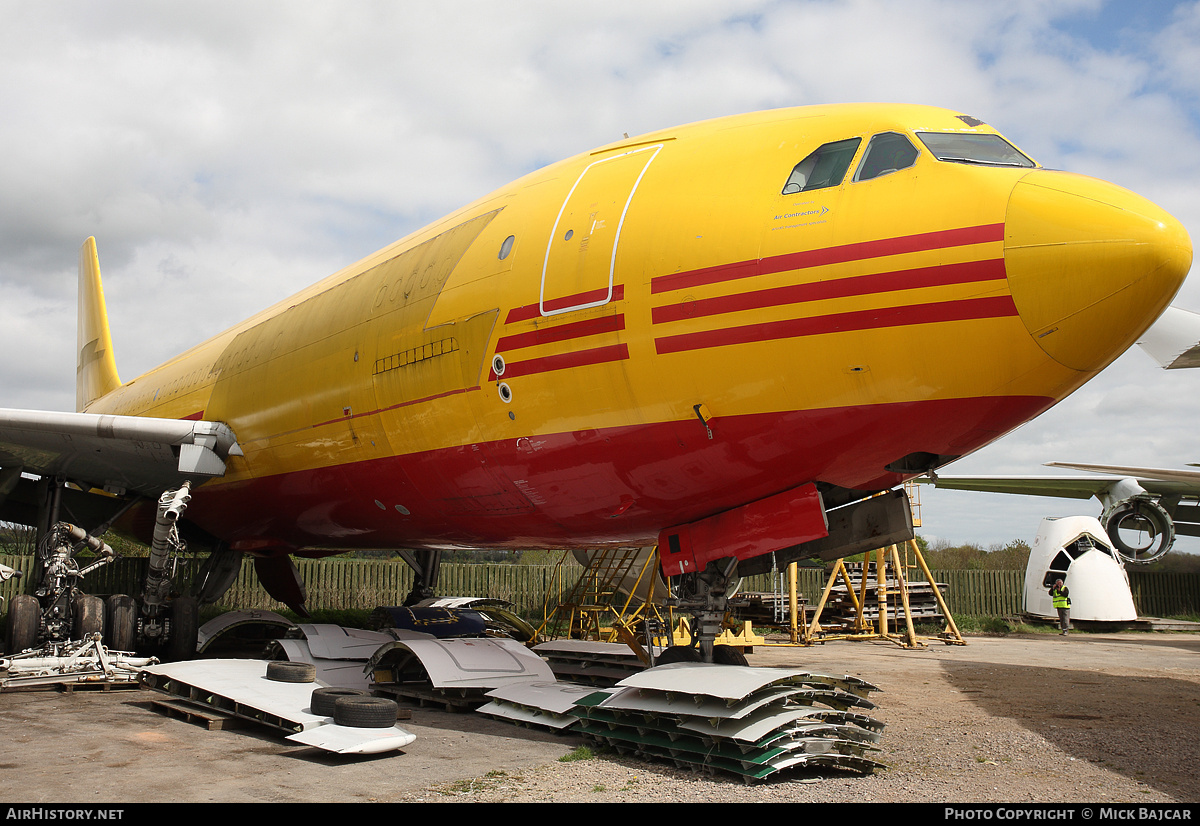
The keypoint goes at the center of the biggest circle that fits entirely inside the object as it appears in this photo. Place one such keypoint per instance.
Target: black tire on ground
(24, 622)
(729, 655)
(678, 654)
(89, 617)
(365, 712)
(185, 628)
(324, 699)
(120, 623)
(285, 671)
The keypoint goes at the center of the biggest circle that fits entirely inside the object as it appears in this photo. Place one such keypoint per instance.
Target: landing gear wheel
(678, 654)
(365, 712)
(89, 617)
(24, 622)
(185, 629)
(285, 671)
(120, 623)
(729, 655)
(324, 699)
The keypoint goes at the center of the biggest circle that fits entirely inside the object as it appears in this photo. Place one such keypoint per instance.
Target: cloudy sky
(226, 154)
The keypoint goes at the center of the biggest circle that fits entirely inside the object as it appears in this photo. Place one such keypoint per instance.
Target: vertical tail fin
(96, 372)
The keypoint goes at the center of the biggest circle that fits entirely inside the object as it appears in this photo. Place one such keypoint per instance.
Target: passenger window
(887, 152)
(823, 168)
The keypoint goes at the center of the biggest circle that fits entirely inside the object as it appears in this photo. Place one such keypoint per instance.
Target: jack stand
(862, 629)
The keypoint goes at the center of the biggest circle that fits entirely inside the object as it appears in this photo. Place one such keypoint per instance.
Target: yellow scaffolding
(807, 633)
(601, 604)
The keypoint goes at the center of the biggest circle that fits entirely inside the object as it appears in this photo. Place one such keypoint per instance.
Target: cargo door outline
(594, 286)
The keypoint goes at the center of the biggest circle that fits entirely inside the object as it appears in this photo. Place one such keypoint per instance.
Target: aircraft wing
(1146, 476)
(119, 453)
(1066, 487)
(1174, 340)
(1156, 502)
(1160, 481)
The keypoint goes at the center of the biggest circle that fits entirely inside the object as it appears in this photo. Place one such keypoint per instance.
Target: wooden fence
(1001, 593)
(341, 583)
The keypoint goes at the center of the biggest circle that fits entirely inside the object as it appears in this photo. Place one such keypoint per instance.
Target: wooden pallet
(99, 685)
(205, 716)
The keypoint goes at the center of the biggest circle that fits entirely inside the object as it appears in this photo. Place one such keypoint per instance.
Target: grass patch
(475, 784)
(581, 753)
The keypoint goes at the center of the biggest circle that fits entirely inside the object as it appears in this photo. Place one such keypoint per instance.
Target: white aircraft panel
(352, 740)
(340, 673)
(245, 682)
(733, 682)
(555, 697)
(477, 663)
(333, 642)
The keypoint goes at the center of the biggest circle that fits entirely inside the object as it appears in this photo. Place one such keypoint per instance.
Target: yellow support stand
(600, 605)
(743, 637)
(890, 602)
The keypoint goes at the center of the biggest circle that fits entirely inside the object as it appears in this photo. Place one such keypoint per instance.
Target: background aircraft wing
(1162, 481)
(119, 453)
(1067, 487)
(1148, 477)
(1174, 340)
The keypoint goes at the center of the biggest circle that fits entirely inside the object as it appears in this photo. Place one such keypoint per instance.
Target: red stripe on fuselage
(920, 242)
(564, 361)
(535, 310)
(563, 332)
(965, 310)
(911, 279)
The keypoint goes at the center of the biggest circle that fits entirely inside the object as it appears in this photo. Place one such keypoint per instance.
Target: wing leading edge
(117, 453)
(1162, 481)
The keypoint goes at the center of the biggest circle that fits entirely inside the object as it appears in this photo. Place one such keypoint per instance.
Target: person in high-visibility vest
(1062, 602)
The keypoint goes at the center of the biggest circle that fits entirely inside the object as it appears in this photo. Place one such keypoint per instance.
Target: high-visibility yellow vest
(1061, 600)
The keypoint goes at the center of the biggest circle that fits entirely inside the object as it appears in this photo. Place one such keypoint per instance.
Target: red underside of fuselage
(595, 487)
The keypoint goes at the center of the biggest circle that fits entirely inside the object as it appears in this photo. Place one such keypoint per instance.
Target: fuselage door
(581, 255)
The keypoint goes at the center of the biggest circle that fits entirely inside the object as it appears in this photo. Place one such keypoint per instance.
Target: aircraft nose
(1090, 265)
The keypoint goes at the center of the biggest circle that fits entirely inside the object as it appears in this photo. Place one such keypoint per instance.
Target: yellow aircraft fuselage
(663, 329)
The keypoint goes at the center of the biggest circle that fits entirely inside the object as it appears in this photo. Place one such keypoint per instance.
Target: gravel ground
(1088, 719)
(1093, 718)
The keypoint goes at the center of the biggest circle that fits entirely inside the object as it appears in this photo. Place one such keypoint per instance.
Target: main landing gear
(164, 626)
(705, 596)
(59, 611)
(169, 626)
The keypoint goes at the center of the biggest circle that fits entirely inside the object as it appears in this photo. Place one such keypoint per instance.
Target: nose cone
(1090, 265)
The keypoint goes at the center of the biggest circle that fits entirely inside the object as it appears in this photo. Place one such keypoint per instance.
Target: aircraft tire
(678, 654)
(286, 671)
(365, 712)
(89, 617)
(24, 622)
(729, 655)
(185, 629)
(120, 623)
(324, 699)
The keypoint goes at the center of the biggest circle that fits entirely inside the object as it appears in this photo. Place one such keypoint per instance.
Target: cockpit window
(823, 168)
(887, 152)
(975, 148)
